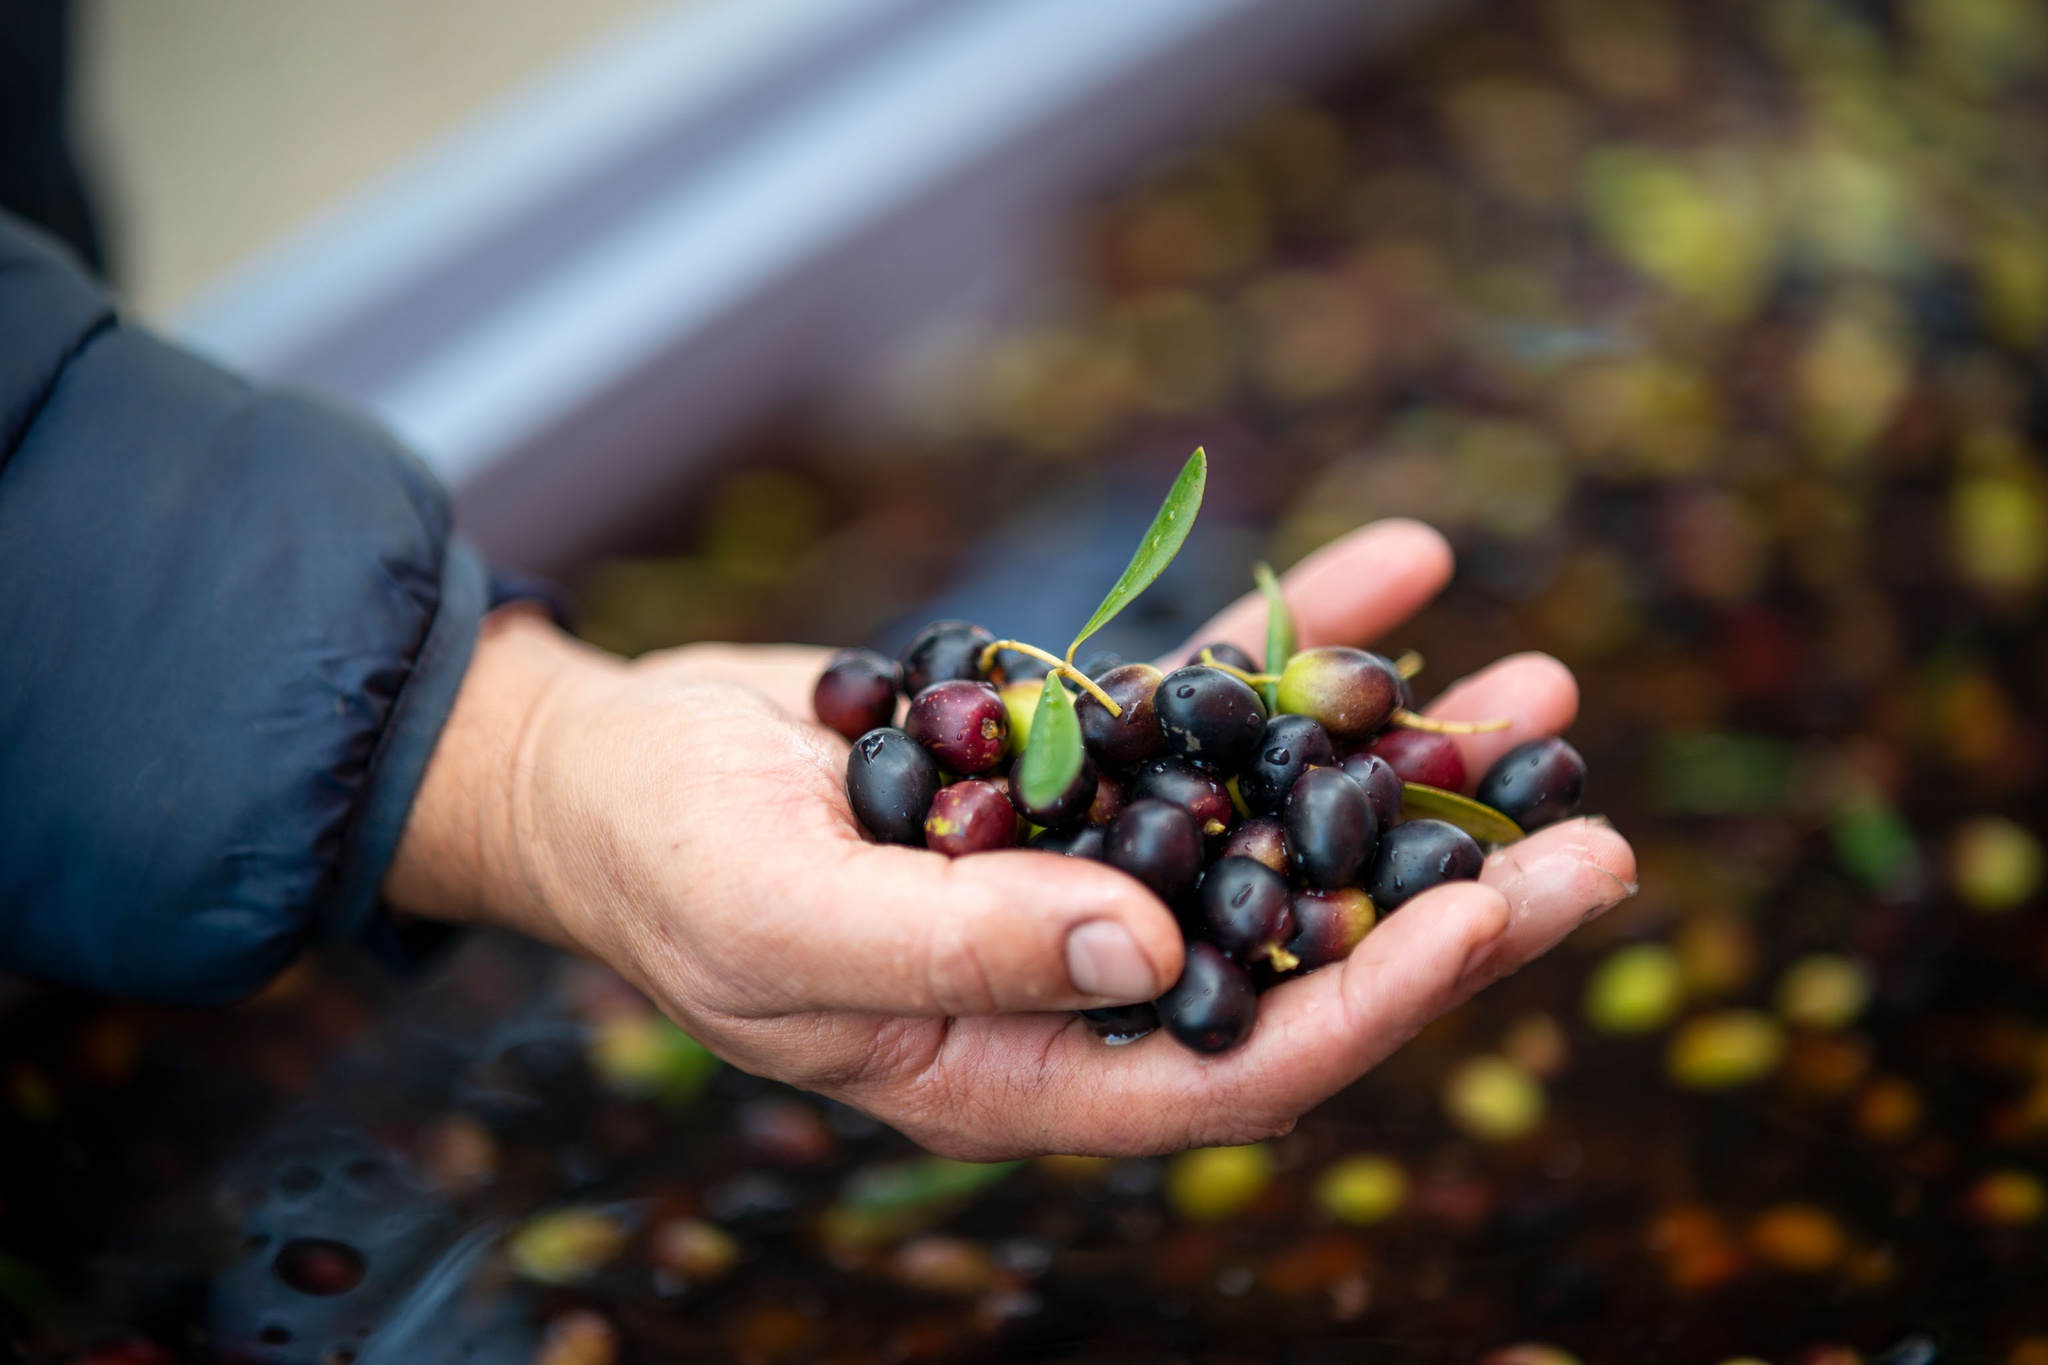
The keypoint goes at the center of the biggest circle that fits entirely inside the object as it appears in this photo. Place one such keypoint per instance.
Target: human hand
(683, 820)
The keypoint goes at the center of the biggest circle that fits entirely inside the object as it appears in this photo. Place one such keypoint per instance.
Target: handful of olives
(1278, 814)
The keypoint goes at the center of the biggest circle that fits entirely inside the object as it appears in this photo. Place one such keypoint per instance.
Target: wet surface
(1714, 339)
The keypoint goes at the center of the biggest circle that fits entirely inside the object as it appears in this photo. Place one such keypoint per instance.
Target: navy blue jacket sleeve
(232, 624)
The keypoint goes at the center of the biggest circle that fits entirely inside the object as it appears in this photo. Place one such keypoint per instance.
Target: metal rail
(568, 304)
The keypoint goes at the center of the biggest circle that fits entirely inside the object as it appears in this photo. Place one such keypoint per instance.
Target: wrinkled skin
(683, 819)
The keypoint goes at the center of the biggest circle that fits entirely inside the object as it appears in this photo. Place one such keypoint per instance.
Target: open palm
(690, 828)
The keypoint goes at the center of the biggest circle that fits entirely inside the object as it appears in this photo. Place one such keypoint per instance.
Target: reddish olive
(964, 724)
(856, 692)
(970, 817)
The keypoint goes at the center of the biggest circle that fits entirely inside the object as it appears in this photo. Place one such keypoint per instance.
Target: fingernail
(1103, 959)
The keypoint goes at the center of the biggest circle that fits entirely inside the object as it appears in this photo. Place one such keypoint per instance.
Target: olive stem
(1063, 667)
(1409, 720)
(1408, 665)
(1209, 660)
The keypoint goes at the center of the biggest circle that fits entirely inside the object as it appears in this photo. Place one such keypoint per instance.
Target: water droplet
(320, 1265)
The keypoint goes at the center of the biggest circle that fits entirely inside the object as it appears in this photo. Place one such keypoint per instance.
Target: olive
(1382, 785)
(1209, 717)
(1262, 838)
(1535, 784)
(1331, 833)
(1351, 692)
(942, 652)
(1422, 756)
(1243, 908)
(1328, 924)
(1198, 791)
(1133, 736)
(1290, 747)
(1159, 845)
(1213, 1006)
(1418, 855)
(890, 783)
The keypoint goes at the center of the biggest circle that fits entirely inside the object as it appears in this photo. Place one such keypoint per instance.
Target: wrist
(469, 853)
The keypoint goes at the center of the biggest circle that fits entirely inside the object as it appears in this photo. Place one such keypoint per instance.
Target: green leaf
(921, 1181)
(1481, 821)
(1873, 842)
(1161, 543)
(884, 1204)
(1054, 753)
(1279, 631)
(1721, 774)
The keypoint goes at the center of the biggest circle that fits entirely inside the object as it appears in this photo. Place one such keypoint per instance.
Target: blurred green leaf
(907, 1184)
(1054, 753)
(1477, 819)
(1873, 844)
(1162, 542)
(1721, 774)
(1279, 631)
(881, 1204)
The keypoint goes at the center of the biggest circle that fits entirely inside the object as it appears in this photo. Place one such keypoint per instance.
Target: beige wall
(212, 126)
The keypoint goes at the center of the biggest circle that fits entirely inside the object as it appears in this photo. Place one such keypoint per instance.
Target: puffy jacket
(232, 624)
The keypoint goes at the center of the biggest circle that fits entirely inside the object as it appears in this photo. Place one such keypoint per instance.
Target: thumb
(908, 932)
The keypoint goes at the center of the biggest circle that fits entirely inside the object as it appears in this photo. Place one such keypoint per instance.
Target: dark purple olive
(1197, 791)
(1331, 832)
(1244, 909)
(856, 692)
(1328, 924)
(1076, 841)
(970, 817)
(1290, 747)
(1418, 855)
(964, 724)
(1159, 845)
(1070, 804)
(1223, 652)
(1352, 692)
(1382, 786)
(1209, 717)
(890, 783)
(1011, 666)
(1131, 737)
(1262, 838)
(1111, 796)
(1535, 784)
(1120, 1024)
(1100, 662)
(943, 652)
(1213, 1006)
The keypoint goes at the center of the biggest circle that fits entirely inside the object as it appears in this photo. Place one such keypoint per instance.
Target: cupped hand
(683, 819)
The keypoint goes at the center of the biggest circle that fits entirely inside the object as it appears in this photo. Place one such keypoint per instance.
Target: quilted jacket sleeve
(232, 624)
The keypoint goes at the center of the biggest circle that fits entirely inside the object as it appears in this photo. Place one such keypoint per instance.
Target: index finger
(1349, 592)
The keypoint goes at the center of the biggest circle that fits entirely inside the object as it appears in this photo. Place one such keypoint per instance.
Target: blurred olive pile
(1715, 337)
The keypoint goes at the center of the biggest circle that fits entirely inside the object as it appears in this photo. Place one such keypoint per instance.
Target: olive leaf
(1477, 819)
(1054, 753)
(1161, 543)
(921, 1181)
(884, 1204)
(1279, 631)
